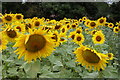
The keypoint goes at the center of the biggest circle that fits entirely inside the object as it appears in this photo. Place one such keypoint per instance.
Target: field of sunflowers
(68, 48)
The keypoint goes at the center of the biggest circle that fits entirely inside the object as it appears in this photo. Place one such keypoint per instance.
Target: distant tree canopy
(55, 10)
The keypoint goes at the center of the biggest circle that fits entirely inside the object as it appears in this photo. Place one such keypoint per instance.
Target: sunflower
(55, 38)
(7, 18)
(62, 37)
(36, 23)
(18, 17)
(79, 30)
(74, 25)
(110, 56)
(34, 45)
(90, 58)
(72, 35)
(116, 29)
(87, 22)
(19, 26)
(10, 34)
(101, 21)
(57, 26)
(92, 24)
(98, 38)
(28, 25)
(3, 42)
(93, 32)
(84, 18)
(80, 20)
(64, 29)
(79, 39)
(68, 26)
(110, 25)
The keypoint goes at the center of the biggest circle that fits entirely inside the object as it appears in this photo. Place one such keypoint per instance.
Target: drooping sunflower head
(101, 21)
(98, 38)
(92, 24)
(34, 45)
(116, 29)
(7, 18)
(18, 17)
(110, 25)
(79, 39)
(90, 58)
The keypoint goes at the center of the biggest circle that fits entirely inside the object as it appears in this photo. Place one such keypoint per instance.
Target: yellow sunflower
(92, 24)
(18, 17)
(79, 30)
(98, 38)
(63, 29)
(68, 26)
(62, 37)
(57, 26)
(101, 21)
(116, 30)
(3, 42)
(84, 18)
(87, 22)
(73, 25)
(90, 58)
(36, 23)
(10, 34)
(7, 18)
(34, 45)
(110, 25)
(110, 56)
(93, 32)
(80, 20)
(72, 35)
(79, 39)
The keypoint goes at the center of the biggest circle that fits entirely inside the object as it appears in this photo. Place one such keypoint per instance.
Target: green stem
(100, 74)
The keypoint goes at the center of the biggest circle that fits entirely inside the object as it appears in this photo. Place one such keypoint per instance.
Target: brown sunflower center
(78, 31)
(27, 26)
(37, 23)
(11, 33)
(94, 32)
(35, 43)
(55, 37)
(57, 27)
(101, 21)
(98, 38)
(19, 28)
(116, 29)
(73, 36)
(92, 24)
(73, 26)
(63, 30)
(109, 55)
(8, 18)
(79, 38)
(18, 16)
(90, 56)
(68, 26)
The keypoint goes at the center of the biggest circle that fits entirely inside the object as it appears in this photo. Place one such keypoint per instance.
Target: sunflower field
(68, 48)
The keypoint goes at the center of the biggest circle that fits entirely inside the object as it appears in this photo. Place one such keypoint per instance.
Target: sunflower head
(98, 37)
(18, 17)
(74, 25)
(72, 35)
(79, 30)
(93, 24)
(110, 56)
(7, 18)
(116, 29)
(110, 25)
(90, 58)
(84, 18)
(102, 20)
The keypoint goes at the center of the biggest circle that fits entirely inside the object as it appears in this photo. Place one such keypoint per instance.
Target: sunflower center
(78, 31)
(73, 36)
(8, 18)
(78, 38)
(11, 33)
(109, 55)
(18, 27)
(37, 23)
(92, 24)
(90, 56)
(116, 30)
(57, 26)
(73, 26)
(101, 21)
(98, 38)
(68, 26)
(35, 43)
(55, 37)
(27, 26)
(63, 30)
(18, 16)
